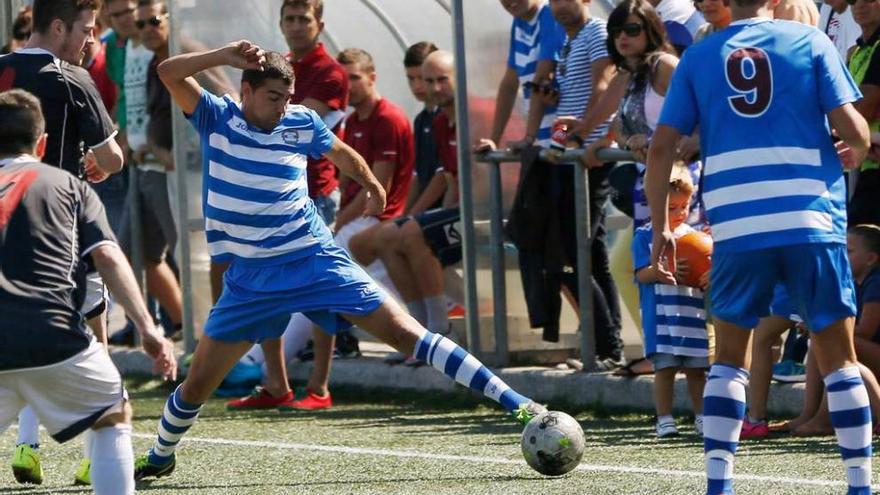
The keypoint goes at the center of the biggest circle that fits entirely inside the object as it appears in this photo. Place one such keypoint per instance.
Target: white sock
(28, 428)
(296, 335)
(112, 461)
(88, 443)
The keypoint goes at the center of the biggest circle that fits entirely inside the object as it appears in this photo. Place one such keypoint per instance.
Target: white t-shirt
(137, 61)
(841, 28)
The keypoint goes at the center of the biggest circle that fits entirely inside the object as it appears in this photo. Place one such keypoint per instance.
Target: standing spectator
(836, 20)
(681, 20)
(803, 11)
(95, 61)
(21, 30)
(864, 64)
(717, 14)
(380, 132)
(535, 41)
(673, 315)
(582, 75)
(321, 85)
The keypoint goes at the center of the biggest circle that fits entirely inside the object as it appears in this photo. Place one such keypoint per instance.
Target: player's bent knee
(121, 416)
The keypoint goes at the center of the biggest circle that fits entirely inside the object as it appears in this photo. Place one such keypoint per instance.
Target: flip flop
(628, 371)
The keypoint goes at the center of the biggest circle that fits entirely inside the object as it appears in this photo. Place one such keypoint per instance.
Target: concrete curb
(545, 385)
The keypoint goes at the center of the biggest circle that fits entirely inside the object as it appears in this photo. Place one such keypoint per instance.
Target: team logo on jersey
(290, 136)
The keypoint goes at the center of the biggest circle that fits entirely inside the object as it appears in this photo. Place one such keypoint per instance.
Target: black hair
(21, 122)
(275, 67)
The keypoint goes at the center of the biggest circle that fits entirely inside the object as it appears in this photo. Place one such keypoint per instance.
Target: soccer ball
(553, 443)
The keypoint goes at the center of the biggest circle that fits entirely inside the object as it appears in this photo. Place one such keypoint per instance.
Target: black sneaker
(347, 346)
(124, 337)
(143, 468)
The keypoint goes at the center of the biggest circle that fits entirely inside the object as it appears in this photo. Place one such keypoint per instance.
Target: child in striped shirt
(673, 316)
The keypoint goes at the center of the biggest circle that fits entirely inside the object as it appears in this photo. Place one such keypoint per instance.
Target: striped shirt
(574, 74)
(255, 194)
(760, 91)
(531, 41)
(673, 316)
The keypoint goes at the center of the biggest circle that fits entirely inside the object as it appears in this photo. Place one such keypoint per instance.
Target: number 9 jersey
(760, 91)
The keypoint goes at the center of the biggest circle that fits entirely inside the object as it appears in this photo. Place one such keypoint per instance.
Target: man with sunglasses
(777, 205)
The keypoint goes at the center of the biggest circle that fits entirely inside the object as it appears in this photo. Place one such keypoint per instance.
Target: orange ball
(696, 248)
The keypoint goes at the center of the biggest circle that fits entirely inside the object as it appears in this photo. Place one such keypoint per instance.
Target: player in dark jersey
(76, 120)
(50, 220)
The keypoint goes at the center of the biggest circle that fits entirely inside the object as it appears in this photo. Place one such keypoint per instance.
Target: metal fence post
(583, 232)
(499, 272)
(137, 235)
(181, 166)
(465, 181)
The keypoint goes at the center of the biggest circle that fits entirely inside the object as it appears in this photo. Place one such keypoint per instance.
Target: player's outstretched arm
(660, 158)
(117, 274)
(177, 72)
(852, 128)
(353, 165)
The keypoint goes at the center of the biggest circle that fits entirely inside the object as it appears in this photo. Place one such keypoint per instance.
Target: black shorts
(441, 230)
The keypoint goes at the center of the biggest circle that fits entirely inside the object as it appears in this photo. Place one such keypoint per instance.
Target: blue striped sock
(724, 406)
(851, 417)
(177, 418)
(446, 356)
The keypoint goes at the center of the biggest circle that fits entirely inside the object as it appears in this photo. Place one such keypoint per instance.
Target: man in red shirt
(380, 132)
(417, 248)
(322, 85)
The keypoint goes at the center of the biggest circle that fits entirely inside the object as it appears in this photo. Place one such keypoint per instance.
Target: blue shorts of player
(257, 301)
(817, 278)
(663, 360)
(782, 304)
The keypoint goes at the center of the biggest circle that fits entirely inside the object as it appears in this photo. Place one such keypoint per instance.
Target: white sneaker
(666, 429)
(698, 425)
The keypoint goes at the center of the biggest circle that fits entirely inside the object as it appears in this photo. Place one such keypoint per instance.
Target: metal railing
(584, 239)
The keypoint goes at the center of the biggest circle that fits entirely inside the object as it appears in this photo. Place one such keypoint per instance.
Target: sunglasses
(632, 30)
(154, 21)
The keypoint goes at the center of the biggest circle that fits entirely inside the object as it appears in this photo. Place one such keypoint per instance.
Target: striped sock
(446, 356)
(724, 406)
(851, 417)
(177, 418)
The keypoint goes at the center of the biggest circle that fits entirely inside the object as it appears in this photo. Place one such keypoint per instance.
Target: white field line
(492, 460)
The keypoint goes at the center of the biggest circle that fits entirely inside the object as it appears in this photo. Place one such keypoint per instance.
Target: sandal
(629, 370)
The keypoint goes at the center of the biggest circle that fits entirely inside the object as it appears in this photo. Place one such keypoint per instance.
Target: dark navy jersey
(49, 221)
(76, 119)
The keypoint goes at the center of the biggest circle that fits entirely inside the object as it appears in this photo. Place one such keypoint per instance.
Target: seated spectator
(675, 332)
(21, 30)
(863, 249)
(864, 64)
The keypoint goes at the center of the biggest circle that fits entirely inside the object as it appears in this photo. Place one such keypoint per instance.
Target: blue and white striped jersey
(573, 72)
(760, 91)
(254, 194)
(673, 316)
(530, 42)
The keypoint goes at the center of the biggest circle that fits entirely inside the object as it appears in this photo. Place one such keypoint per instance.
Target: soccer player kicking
(282, 258)
(763, 93)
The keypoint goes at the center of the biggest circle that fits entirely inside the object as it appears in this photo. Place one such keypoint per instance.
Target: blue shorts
(257, 302)
(782, 305)
(817, 278)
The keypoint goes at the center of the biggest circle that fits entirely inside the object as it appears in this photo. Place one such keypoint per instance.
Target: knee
(359, 246)
(122, 417)
(411, 234)
(386, 237)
